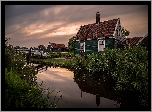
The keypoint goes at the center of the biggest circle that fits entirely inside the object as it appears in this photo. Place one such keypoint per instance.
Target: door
(82, 47)
(101, 45)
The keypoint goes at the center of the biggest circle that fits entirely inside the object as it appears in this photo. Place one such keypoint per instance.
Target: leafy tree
(24, 47)
(17, 47)
(41, 47)
(125, 32)
(71, 44)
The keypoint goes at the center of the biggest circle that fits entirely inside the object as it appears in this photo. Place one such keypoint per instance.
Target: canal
(77, 94)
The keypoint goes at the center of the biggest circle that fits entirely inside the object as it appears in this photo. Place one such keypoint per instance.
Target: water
(77, 94)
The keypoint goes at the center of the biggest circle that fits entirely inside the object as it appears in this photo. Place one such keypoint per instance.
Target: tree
(24, 47)
(71, 44)
(41, 47)
(17, 47)
(125, 32)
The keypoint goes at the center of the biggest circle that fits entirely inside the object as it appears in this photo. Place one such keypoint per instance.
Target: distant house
(98, 36)
(134, 41)
(53, 47)
(42, 48)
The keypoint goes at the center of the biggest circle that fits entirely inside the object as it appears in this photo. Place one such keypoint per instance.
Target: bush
(128, 68)
(13, 59)
(19, 93)
(55, 54)
(125, 70)
(132, 72)
(21, 88)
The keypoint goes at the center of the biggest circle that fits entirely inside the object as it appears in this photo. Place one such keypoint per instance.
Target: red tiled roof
(54, 45)
(133, 41)
(42, 46)
(94, 31)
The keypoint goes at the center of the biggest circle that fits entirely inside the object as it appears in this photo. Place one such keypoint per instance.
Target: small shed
(98, 36)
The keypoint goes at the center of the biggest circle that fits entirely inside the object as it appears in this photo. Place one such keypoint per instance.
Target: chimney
(97, 18)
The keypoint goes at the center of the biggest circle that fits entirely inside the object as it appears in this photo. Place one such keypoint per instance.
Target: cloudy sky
(33, 25)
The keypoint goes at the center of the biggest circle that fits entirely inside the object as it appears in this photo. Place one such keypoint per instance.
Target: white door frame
(83, 46)
(99, 45)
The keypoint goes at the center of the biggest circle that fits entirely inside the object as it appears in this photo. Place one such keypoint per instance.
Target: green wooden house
(96, 37)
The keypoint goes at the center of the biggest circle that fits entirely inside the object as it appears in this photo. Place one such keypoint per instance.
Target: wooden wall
(91, 46)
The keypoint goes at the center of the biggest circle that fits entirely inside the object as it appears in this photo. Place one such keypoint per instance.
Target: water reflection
(83, 90)
(60, 79)
(102, 86)
(95, 85)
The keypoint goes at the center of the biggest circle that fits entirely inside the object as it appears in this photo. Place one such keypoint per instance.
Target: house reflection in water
(86, 84)
(96, 85)
(97, 99)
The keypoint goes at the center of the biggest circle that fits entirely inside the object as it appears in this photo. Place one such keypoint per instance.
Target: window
(101, 42)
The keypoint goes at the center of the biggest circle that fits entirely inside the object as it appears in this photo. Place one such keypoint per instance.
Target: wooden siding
(77, 47)
(110, 43)
(91, 46)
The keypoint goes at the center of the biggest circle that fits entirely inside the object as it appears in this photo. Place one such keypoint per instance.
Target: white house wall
(118, 33)
(115, 32)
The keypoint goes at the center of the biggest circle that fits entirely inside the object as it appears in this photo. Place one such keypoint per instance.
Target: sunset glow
(39, 24)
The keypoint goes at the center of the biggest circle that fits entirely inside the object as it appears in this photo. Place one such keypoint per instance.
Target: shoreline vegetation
(125, 70)
(21, 88)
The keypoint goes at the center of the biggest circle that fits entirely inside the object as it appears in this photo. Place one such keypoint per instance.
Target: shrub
(125, 70)
(19, 93)
(132, 72)
(21, 88)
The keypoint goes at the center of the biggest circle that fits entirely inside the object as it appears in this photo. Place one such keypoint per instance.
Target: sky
(33, 25)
